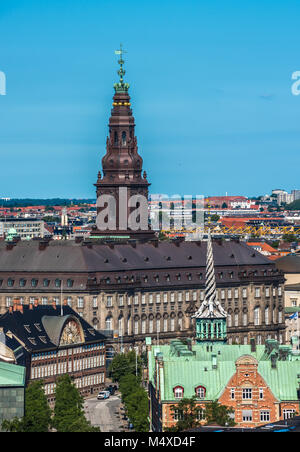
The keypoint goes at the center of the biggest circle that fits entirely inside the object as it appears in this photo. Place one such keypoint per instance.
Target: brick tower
(122, 191)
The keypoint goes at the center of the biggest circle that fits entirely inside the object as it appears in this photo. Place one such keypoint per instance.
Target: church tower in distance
(122, 190)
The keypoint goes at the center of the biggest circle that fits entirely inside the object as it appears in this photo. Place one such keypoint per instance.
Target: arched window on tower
(123, 138)
(116, 139)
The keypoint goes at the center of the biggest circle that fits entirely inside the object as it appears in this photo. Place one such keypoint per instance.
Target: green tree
(215, 413)
(124, 364)
(188, 415)
(37, 416)
(289, 238)
(69, 415)
(136, 402)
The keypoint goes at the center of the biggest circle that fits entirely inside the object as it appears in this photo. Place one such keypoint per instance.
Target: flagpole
(61, 298)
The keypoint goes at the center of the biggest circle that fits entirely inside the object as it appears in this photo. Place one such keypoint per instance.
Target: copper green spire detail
(121, 87)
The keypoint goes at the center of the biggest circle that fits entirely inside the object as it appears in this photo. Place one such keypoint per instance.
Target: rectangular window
(109, 301)
(80, 302)
(232, 393)
(165, 297)
(95, 302)
(178, 415)
(150, 298)
(261, 393)
(247, 393)
(287, 414)
(265, 416)
(257, 292)
(247, 415)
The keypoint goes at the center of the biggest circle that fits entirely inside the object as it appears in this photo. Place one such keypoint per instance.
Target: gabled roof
(40, 328)
(197, 369)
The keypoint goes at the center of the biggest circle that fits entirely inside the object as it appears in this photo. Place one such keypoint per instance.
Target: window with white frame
(265, 416)
(165, 297)
(165, 325)
(288, 413)
(256, 316)
(178, 415)
(257, 292)
(232, 393)
(267, 320)
(109, 323)
(109, 301)
(150, 326)
(80, 302)
(178, 392)
(261, 393)
(247, 393)
(172, 324)
(247, 415)
(200, 392)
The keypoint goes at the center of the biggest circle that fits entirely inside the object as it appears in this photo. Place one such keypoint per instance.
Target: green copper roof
(198, 369)
(11, 375)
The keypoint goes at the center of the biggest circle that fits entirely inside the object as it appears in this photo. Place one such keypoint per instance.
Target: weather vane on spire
(121, 86)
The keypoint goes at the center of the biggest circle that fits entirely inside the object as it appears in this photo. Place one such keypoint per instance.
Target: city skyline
(213, 84)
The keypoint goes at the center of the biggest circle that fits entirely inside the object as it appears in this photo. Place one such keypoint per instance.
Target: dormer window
(34, 282)
(178, 392)
(10, 282)
(70, 282)
(200, 392)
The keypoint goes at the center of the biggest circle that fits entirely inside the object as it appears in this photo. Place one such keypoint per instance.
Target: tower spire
(122, 180)
(210, 317)
(121, 87)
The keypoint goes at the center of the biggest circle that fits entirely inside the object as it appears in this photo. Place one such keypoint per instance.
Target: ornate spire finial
(121, 87)
(210, 308)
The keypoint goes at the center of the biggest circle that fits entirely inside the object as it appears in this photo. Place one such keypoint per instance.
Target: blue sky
(210, 86)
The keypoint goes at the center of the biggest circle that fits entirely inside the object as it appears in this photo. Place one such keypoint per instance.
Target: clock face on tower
(71, 334)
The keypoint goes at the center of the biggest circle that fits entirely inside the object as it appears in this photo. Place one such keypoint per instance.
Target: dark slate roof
(289, 264)
(40, 328)
(69, 256)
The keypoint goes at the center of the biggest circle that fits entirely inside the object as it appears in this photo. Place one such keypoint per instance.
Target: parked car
(103, 395)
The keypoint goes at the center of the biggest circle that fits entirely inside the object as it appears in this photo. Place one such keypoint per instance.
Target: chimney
(43, 245)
